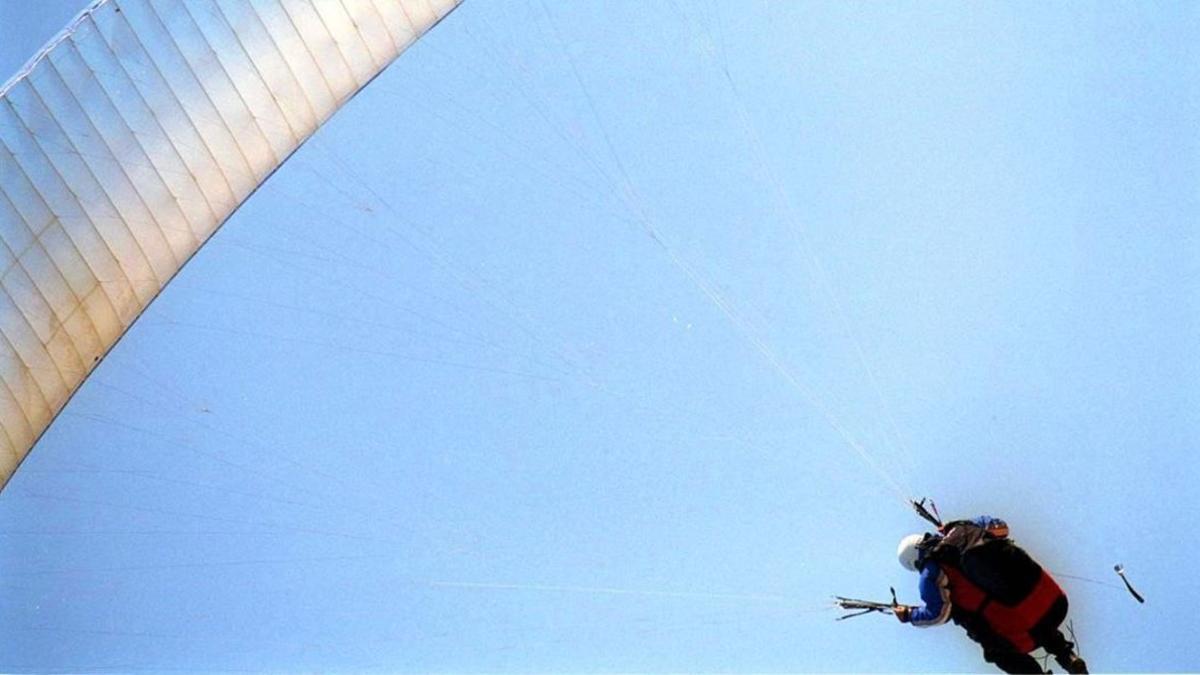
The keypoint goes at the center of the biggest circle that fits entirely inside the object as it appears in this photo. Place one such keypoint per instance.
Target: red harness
(1012, 622)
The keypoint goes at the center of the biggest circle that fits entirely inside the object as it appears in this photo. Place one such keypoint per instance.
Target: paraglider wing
(130, 138)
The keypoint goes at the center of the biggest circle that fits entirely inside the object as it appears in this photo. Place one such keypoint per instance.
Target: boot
(1071, 662)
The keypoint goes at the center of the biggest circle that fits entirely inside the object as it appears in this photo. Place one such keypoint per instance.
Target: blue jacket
(935, 593)
(935, 588)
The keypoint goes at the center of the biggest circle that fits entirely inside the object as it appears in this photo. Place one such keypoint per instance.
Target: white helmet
(909, 551)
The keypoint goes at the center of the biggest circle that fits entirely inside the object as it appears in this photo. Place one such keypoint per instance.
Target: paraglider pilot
(974, 575)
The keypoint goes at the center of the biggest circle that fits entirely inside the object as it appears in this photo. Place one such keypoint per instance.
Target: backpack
(1000, 568)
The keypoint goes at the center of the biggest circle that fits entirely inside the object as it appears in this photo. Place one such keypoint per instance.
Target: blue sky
(607, 337)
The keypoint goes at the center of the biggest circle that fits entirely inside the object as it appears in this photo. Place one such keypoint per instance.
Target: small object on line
(1120, 570)
(919, 507)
